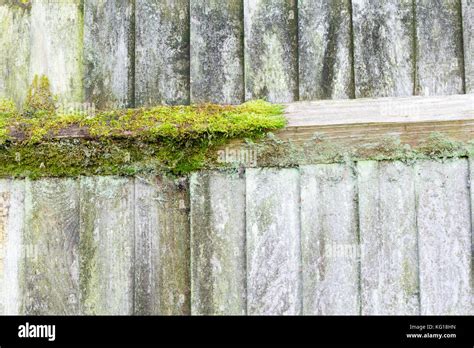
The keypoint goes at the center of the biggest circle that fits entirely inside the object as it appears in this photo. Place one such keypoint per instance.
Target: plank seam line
(463, 48)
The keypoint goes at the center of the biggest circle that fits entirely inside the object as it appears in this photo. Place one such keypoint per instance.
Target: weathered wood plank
(325, 57)
(108, 52)
(162, 275)
(444, 242)
(106, 245)
(273, 242)
(271, 50)
(12, 249)
(217, 65)
(388, 236)
(468, 43)
(439, 51)
(52, 236)
(56, 46)
(383, 48)
(218, 244)
(15, 53)
(329, 240)
(162, 52)
(471, 184)
(381, 110)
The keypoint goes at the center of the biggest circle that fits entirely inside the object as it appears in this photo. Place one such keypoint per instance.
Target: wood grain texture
(106, 245)
(329, 241)
(471, 184)
(324, 49)
(217, 65)
(162, 52)
(388, 236)
(383, 48)
(52, 238)
(271, 50)
(439, 51)
(56, 46)
(15, 41)
(273, 242)
(218, 253)
(444, 237)
(12, 195)
(468, 43)
(108, 53)
(352, 123)
(162, 275)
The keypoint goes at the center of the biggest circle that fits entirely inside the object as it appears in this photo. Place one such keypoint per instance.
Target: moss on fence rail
(41, 141)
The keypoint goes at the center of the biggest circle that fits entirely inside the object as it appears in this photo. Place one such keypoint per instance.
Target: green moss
(39, 141)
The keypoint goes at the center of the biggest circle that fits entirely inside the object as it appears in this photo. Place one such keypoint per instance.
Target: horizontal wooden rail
(357, 121)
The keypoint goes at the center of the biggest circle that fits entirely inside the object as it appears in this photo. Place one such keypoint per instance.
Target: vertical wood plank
(329, 240)
(56, 46)
(52, 239)
(388, 235)
(106, 245)
(12, 195)
(471, 184)
(468, 43)
(444, 232)
(273, 242)
(162, 275)
(271, 50)
(162, 52)
(218, 244)
(15, 52)
(439, 57)
(383, 48)
(217, 51)
(325, 57)
(108, 52)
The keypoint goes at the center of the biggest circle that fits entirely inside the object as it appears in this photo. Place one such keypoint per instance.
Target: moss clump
(39, 141)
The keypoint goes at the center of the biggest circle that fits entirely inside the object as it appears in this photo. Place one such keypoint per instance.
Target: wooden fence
(143, 52)
(368, 238)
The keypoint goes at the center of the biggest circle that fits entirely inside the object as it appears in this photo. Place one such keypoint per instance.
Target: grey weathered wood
(162, 52)
(218, 243)
(471, 184)
(56, 46)
(108, 52)
(51, 284)
(329, 241)
(106, 245)
(325, 57)
(444, 230)
(11, 245)
(388, 236)
(439, 54)
(383, 48)
(162, 275)
(273, 242)
(271, 50)
(468, 43)
(15, 53)
(217, 53)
